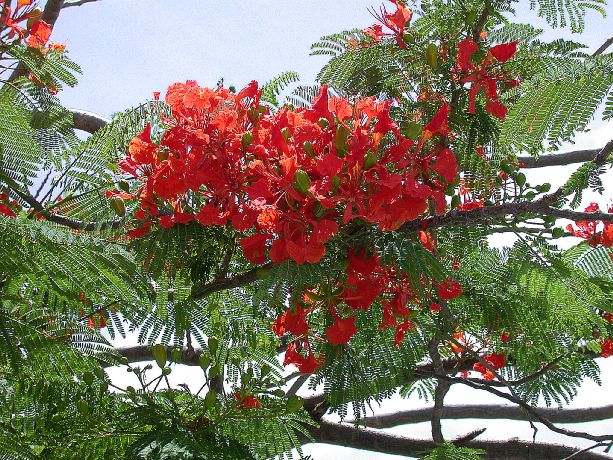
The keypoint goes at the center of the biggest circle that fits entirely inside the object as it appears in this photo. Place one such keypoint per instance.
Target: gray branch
(487, 412)
(375, 441)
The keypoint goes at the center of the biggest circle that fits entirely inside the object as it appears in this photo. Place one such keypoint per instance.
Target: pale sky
(130, 48)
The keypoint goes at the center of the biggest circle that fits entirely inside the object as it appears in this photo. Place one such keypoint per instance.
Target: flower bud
(302, 181)
(118, 206)
(247, 139)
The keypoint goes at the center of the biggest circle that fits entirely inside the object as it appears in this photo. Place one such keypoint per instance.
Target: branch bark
(487, 412)
(375, 441)
(87, 121)
(558, 159)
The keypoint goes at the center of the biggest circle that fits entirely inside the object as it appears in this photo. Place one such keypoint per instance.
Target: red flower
(246, 401)
(254, 248)
(40, 32)
(401, 331)
(608, 317)
(341, 331)
(292, 322)
(448, 289)
(495, 360)
(606, 347)
(6, 211)
(305, 365)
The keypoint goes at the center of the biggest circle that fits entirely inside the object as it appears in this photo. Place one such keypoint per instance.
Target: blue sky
(130, 48)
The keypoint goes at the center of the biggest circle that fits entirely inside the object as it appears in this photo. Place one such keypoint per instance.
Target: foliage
(345, 224)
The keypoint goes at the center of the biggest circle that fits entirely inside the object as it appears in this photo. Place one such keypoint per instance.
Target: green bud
(432, 55)
(215, 371)
(176, 354)
(213, 344)
(543, 188)
(408, 38)
(520, 179)
(294, 403)
(323, 122)
(247, 139)
(123, 360)
(279, 392)
(455, 201)
(82, 407)
(262, 273)
(210, 399)
(99, 372)
(302, 181)
(159, 354)
(506, 167)
(166, 371)
(340, 138)
(118, 205)
(411, 130)
(265, 370)
(245, 378)
(162, 154)
(104, 386)
(88, 378)
(557, 232)
(370, 159)
(204, 361)
(286, 133)
(124, 186)
(308, 148)
(336, 181)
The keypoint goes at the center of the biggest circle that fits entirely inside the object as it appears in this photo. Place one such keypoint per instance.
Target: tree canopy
(335, 237)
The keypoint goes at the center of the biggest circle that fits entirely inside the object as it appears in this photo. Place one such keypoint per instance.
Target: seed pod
(302, 181)
(118, 205)
(432, 55)
(159, 354)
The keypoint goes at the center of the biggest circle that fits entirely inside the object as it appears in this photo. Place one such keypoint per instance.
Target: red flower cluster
(495, 360)
(590, 230)
(485, 75)
(291, 177)
(396, 22)
(366, 280)
(8, 207)
(36, 31)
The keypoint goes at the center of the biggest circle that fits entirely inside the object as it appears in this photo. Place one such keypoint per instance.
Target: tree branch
(375, 441)
(487, 412)
(603, 47)
(558, 159)
(87, 121)
(68, 4)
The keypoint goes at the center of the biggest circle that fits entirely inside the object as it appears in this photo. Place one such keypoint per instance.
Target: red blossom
(606, 347)
(341, 331)
(495, 361)
(254, 248)
(448, 289)
(246, 401)
(293, 322)
(39, 32)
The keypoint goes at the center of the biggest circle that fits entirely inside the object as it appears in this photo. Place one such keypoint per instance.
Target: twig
(603, 47)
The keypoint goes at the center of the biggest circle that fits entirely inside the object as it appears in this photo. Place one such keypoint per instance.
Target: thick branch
(87, 121)
(603, 47)
(367, 439)
(487, 412)
(559, 159)
(69, 3)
